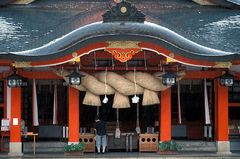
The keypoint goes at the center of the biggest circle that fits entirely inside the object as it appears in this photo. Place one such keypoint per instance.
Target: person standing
(101, 136)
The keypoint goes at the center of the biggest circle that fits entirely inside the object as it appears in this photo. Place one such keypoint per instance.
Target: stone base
(74, 153)
(167, 152)
(15, 149)
(223, 147)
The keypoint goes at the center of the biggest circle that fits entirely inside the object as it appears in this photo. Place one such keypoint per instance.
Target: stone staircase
(57, 146)
(191, 146)
(197, 146)
(206, 146)
(44, 146)
(235, 145)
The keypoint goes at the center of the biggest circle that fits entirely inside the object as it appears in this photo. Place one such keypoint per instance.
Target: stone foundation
(223, 147)
(15, 149)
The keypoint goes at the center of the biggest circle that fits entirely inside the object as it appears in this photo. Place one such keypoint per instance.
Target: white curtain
(206, 104)
(179, 103)
(8, 102)
(35, 105)
(55, 105)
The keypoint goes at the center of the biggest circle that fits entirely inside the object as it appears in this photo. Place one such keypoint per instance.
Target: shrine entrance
(138, 122)
(147, 82)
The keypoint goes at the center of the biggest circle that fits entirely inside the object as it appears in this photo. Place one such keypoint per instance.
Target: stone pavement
(131, 155)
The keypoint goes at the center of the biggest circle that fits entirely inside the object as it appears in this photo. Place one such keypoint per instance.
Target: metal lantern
(75, 78)
(14, 80)
(226, 79)
(169, 79)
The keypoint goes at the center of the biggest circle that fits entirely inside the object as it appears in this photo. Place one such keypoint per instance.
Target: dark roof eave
(99, 32)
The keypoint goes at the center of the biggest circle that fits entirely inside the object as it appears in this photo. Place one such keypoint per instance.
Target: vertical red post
(5, 99)
(221, 117)
(165, 116)
(73, 115)
(15, 147)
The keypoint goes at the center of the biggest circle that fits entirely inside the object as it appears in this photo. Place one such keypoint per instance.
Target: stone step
(235, 145)
(44, 147)
(44, 144)
(197, 146)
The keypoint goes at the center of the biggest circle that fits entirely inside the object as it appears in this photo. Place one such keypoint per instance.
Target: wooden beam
(51, 75)
(33, 74)
(177, 57)
(202, 74)
(85, 50)
(39, 75)
(5, 62)
(234, 104)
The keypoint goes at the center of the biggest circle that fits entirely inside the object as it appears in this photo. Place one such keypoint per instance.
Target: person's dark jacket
(100, 128)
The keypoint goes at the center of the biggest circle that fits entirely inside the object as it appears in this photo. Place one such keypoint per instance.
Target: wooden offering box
(148, 142)
(89, 141)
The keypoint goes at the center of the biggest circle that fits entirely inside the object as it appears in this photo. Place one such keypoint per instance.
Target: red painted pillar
(15, 147)
(5, 99)
(73, 115)
(165, 116)
(221, 117)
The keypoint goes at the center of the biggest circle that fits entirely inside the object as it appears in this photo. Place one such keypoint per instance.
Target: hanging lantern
(169, 79)
(226, 79)
(75, 78)
(14, 80)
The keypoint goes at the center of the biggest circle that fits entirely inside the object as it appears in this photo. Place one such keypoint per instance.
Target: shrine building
(153, 71)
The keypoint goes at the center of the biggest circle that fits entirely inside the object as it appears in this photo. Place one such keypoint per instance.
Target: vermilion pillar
(165, 115)
(5, 99)
(15, 146)
(221, 117)
(73, 115)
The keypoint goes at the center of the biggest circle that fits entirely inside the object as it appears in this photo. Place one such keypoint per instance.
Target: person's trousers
(101, 140)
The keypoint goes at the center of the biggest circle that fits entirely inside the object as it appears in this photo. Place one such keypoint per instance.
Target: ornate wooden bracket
(123, 12)
(222, 65)
(123, 50)
(21, 64)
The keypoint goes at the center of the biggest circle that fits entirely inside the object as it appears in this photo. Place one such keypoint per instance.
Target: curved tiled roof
(208, 26)
(227, 3)
(99, 32)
